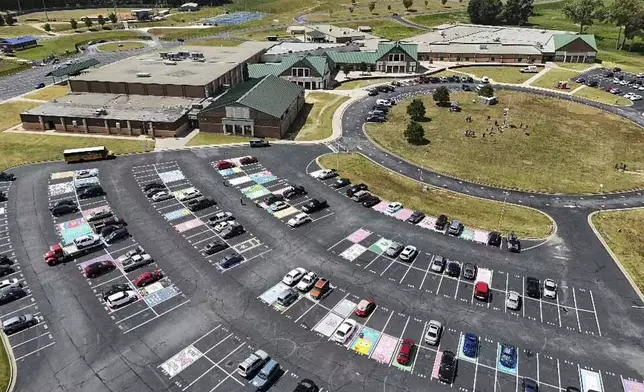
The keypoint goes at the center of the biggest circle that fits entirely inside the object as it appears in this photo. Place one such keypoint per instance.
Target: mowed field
(561, 146)
(66, 44)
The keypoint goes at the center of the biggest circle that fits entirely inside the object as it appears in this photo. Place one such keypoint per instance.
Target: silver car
(433, 334)
(513, 300)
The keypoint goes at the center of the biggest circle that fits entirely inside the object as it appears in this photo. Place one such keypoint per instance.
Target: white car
(344, 331)
(278, 205)
(163, 195)
(640, 75)
(641, 88)
(299, 220)
(394, 207)
(408, 253)
(85, 241)
(222, 225)
(485, 79)
(294, 276)
(307, 282)
(383, 102)
(438, 265)
(623, 82)
(513, 300)
(549, 289)
(13, 282)
(635, 97)
(121, 298)
(629, 95)
(433, 334)
(86, 174)
(326, 174)
(189, 194)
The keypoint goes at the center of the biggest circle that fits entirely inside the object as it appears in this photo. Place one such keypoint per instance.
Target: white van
(253, 363)
(529, 69)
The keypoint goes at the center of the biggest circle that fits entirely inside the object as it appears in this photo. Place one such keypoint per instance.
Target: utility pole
(44, 6)
(19, 7)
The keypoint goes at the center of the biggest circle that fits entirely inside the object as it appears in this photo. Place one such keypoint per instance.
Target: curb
(610, 252)
(553, 229)
(12, 363)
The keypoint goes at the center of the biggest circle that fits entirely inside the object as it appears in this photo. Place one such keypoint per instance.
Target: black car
(355, 188)
(592, 83)
(5, 260)
(64, 202)
(514, 245)
(371, 201)
(91, 191)
(153, 185)
(112, 220)
(113, 289)
(294, 191)
(441, 222)
(494, 239)
(465, 87)
(469, 271)
(6, 270)
(64, 209)
(314, 205)
(529, 385)
(4, 176)
(447, 369)
(232, 231)
(453, 268)
(468, 79)
(109, 229)
(154, 191)
(340, 183)
(272, 199)
(608, 74)
(116, 235)
(11, 295)
(378, 119)
(215, 247)
(201, 204)
(258, 143)
(372, 93)
(434, 79)
(231, 260)
(533, 288)
(3, 197)
(416, 217)
(306, 385)
(385, 88)
(382, 108)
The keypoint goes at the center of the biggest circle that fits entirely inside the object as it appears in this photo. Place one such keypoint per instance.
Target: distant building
(286, 49)
(330, 33)
(389, 57)
(142, 14)
(310, 72)
(18, 43)
(189, 7)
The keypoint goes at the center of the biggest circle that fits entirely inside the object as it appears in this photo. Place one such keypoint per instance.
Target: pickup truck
(59, 253)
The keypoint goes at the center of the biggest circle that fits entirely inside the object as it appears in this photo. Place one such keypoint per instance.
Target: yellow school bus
(87, 154)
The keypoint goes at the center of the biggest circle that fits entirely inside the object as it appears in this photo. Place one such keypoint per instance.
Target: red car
(248, 160)
(481, 291)
(406, 348)
(147, 278)
(365, 307)
(607, 89)
(221, 165)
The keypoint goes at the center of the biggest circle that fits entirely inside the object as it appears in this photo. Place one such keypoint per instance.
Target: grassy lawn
(216, 42)
(438, 19)
(554, 76)
(602, 96)
(574, 66)
(319, 121)
(19, 30)
(363, 83)
(40, 147)
(5, 369)
(173, 34)
(385, 28)
(65, 15)
(10, 112)
(182, 18)
(9, 67)
(328, 10)
(49, 93)
(483, 214)
(64, 44)
(625, 243)
(499, 74)
(571, 148)
(119, 47)
(207, 138)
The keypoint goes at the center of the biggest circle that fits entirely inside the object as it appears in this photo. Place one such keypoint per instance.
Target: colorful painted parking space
(257, 183)
(28, 343)
(209, 363)
(194, 226)
(365, 251)
(149, 302)
(378, 338)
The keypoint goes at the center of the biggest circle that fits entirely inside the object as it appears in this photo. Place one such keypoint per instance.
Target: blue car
(470, 345)
(40, 85)
(508, 356)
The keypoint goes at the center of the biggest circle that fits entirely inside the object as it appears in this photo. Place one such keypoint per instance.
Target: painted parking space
(150, 301)
(194, 226)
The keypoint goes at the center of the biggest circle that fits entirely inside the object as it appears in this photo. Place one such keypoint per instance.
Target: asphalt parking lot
(608, 82)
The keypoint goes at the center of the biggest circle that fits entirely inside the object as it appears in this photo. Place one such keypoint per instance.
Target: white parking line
(197, 234)
(29, 340)
(595, 311)
(408, 269)
(155, 317)
(382, 333)
(132, 315)
(4, 316)
(422, 336)
(35, 351)
(574, 297)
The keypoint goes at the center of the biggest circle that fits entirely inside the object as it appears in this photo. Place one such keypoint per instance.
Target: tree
(351, 9)
(1, 20)
(363, 67)
(101, 20)
(487, 12)
(517, 12)
(624, 13)
(9, 19)
(88, 22)
(112, 17)
(416, 110)
(443, 2)
(372, 5)
(407, 4)
(389, 7)
(414, 133)
(47, 27)
(441, 96)
(73, 23)
(426, 3)
(486, 91)
(584, 12)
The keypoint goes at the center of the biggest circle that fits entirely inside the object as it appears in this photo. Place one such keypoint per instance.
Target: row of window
(300, 72)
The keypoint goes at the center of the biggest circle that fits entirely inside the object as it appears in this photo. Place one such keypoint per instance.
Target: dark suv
(231, 260)
(200, 204)
(441, 222)
(232, 231)
(63, 209)
(514, 245)
(494, 239)
(294, 191)
(355, 188)
(314, 205)
(533, 288)
(91, 191)
(4, 176)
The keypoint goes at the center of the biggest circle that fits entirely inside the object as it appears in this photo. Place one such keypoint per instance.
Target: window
(491, 58)
(300, 72)
(520, 60)
(467, 59)
(229, 128)
(396, 57)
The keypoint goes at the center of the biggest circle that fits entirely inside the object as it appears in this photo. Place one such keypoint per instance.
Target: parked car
(4, 176)
(532, 287)
(259, 143)
(299, 219)
(355, 189)
(231, 260)
(63, 209)
(40, 85)
(91, 191)
(447, 368)
(287, 297)
(514, 245)
(469, 271)
(314, 205)
(438, 264)
(441, 222)
(278, 206)
(214, 247)
(121, 298)
(5, 260)
(394, 207)
(453, 269)
(201, 204)
(365, 307)
(294, 276)
(394, 249)
(470, 345)
(341, 183)
(18, 323)
(98, 268)
(344, 331)
(271, 199)
(433, 334)
(161, 195)
(409, 253)
(327, 174)
(455, 228)
(232, 231)
(252, 364)
(248, 160)
(223, 216)
(86, 241)
(267, 376)
(307, 281)
(148, 277)
(406, 349)
(321, 288)
(153, 185)
(416, 217)
(99, 215)
(219, 227)
(116, 235)
(508, 356)
(529, 385)
(306, 385)
(223, 164)
(10, 283)
(12, 294)
(513, 300)
(549, 289)
(294, 191)
(494, 239)
(371, 201)
(136, 261)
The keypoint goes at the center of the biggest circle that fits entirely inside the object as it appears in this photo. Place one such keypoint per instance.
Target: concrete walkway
(535, 77)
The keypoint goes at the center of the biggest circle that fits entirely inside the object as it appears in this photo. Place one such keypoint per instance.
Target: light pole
(44, 6)
(505, 197)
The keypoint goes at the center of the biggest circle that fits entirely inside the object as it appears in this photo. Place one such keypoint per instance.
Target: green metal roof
(74, 68)
(316, 63)
(562, 40)
(386, 47)
(372, 57)
(261, 70)
(270, 95)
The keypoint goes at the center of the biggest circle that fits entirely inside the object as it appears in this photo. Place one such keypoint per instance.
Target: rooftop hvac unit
(143, 75)
(100, 111)
(497, 39)
(170, 62)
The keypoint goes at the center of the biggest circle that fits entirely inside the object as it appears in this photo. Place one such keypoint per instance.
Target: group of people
(493, 129)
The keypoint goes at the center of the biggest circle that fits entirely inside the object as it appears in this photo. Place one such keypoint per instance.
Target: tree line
(494, 12)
